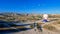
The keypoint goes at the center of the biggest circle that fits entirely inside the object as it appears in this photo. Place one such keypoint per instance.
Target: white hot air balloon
(45, 17)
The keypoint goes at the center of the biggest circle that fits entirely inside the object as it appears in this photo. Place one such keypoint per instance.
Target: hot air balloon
(45, 17)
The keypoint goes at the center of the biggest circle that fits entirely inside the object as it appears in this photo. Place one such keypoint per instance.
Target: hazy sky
(30, 6)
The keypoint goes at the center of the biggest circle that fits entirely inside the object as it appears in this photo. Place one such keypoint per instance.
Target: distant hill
(24, 17)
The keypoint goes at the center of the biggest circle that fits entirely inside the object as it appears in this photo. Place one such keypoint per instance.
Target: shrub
(50, 27)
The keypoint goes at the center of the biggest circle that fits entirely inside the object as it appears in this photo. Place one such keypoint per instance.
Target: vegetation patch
(58, 22)
(50, 27)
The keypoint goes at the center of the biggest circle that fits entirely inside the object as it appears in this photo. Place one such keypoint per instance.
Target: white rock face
(45, 16)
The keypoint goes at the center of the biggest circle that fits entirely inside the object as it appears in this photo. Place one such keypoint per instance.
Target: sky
(30, 6)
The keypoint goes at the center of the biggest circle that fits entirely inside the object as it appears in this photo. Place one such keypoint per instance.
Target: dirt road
(36, 32)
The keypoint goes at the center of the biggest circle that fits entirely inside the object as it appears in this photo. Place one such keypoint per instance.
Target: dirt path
(45, 31)
(36, 32)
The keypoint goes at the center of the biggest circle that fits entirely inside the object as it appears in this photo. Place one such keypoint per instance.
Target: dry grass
(53, 26)
(50, 27)
(57, 22)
